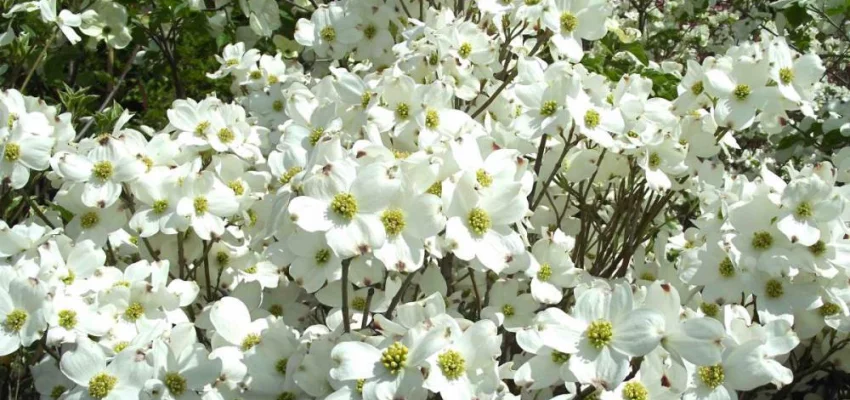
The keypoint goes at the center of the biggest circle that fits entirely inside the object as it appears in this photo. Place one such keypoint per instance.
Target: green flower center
(654, 160)
(57, 391)
(742, 92)
(711, 376)
(15, 320)
(222, 258)
(103, 170)
(786, 75)
(358, 385)
(710, 309)
(69, 279)
(12, 152)
(432, 119)
(10, 122)
(402, 110)
(818, 249)
(276, 310)
(315, 135)
(548, 108)
(68, 319)
(436, 189)
(591, 119)
(101, 384)
(225, 135)
(508, 310)
(359, 303)
(120, 346)
(464, 50)
(452, 364)
(697, 88)
(159, 206)
(251, 270)
(280, 366)
(289, 174)
(568, 22)
(277, 105)
(201, 205)
(231, 62)
(134, 311)
(400, 155)
(828, 309)
(250, 341)
(647, 276)
(175, 383)
(369, 31)
(804, 210)
(545, 272)
(255, 74)
(532, 2)
(344, 205)
(201, 129)
(726, 269)
(484, 179)
(322, 256)
(479, 221)
(365, 99)
(89, 219)
(635, 391)
(124, 283)
(237, 187)
(286, 396)
(773, 288)
(559, 358)
(394, 357)
(762, 240)
(599, 333)
(328, 34)
(393, 221)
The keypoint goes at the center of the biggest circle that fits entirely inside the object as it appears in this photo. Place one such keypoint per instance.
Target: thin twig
(398, 295)
(127, 66)
(346, 322)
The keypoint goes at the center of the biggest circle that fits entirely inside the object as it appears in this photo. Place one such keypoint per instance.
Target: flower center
(89, 220)
(432, 119)
(711, 376)
(12, 152)
(697, 88)
(742, 92)
(222, 258)
(322, 256)
(250, 341)
(436, 189)
(276, 310)
(328, 34)
(315, 135)
(277, 105)
(201, 205)
(159, 206)
(599, 333)
(818, 249)
(15, 320)
(120, 346)
(201, 128)
(289, 174)
(394, 357)
(483, 178)
(359, 303)
(568, 22)
(545, 272)
(591, 119)
(286, 396)
(479, 221)
(280, 366)
(786, 75)
(762, 240)
(709, 309)
(464, 50)
(69, 279)
(402, 110)
(344, 205)
(102, 170)
(773, 288)
(225, 135)
(804, 210)
(647, 276)
(559, 358)
(68, 319)
(358, 385)
(452, 364)
(393, 221)
(726, 269)
(237, 187)
(57, 391)
(828, 309)
(255, 74)
(508, 310)
(134, 311)
(548, 108)
(635, 391)
(175, 383)
(101, 384)
(369, 31)
(654, 160)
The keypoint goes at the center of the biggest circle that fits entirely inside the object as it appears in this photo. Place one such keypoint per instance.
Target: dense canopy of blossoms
(437, 198)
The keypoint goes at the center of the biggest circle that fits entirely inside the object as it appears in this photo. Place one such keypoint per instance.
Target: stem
(369, 295)
(127, 66)
(38, 61)
(397, 298)
(538, 162)
(475, 292)
(34, 207)
(346, 322)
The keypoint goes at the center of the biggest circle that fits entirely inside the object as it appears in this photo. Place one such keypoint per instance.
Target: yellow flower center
(344, 205)
(134, 311)
(483, 178)
(479, 221)
(159, 206)
(250, 341)
(726, 269)
(568, 22)
(225, 135)
(828, 309)
(289, 174)
(280, 366)
(697, 88)
(175, 383)
(452, 364)
(635, 391)
(393, 221)
(710, 309)
(89, 220)
(548, 108)
(394, 357)
(464, 50)
(201, 205)
(101, 384)
(599, 333)
(15, 320)
(102, 170)
(358, 303)
(773, 288)
(12, 152)
(328, 34)
(559, 358)
(68, 319)
(432, 119)
(237, 187)
(402, 110)
(591, 119)
(322, 256)
(742, 92)
(508, 310)
(762, 240)
(545, 272)
(786, 75)
(711, 376)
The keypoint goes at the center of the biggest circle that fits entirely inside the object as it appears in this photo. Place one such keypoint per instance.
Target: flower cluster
(432, 200)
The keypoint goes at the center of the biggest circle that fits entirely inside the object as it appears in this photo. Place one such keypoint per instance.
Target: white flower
(21, 308)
